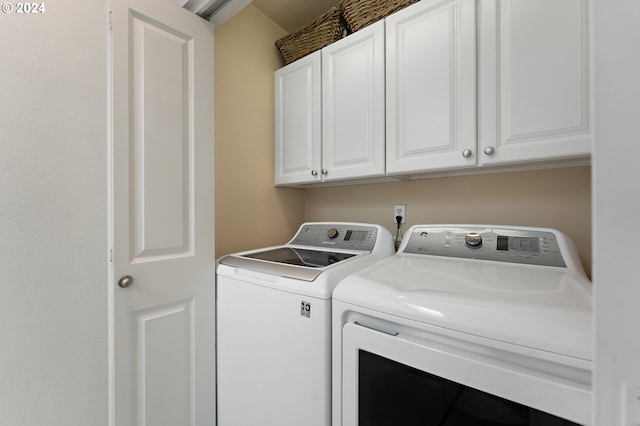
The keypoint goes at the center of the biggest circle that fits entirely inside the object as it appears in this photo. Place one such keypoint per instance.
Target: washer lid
(316, 248)
(293, 262)
(539, 307)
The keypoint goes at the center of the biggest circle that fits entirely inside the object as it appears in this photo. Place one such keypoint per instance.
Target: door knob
(125, 281)
(467, 153)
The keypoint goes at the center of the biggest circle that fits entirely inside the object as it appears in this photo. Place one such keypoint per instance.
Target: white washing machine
(465, 325)
(274, 323)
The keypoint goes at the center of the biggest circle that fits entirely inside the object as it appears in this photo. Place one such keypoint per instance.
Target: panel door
(533, 80)
(297, 121)
(162, 325)
(431, 86)
(353, 119)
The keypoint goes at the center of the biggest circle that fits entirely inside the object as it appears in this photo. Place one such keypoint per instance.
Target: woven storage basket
(360, 13)
(315, 35)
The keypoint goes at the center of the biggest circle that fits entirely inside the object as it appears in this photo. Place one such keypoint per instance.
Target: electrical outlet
(400, 210)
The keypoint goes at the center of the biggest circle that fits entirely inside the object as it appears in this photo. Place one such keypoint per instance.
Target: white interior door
(162, 325)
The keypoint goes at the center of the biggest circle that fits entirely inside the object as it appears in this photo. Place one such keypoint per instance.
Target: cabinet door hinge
(109, 21)
(111, 256)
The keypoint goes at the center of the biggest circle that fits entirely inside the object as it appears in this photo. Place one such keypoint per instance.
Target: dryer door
(398, 379)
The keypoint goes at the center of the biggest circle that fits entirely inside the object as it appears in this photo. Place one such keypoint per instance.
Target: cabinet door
(431, 86)
(534, 80)
(353, 119)
(297, 121)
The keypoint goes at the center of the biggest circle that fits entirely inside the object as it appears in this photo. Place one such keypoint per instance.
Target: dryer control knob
(332, 233)
(473, 240)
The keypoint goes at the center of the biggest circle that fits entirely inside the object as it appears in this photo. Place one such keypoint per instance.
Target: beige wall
(250, 211)
(556, 198)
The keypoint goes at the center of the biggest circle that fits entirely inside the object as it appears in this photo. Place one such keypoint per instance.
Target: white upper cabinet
(330, 112)
(297, 121)
(353, 121)
(441, 87)
(431, 86)
(533, 80)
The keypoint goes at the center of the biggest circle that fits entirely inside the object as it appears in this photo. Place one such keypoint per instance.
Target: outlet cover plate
(400, 210)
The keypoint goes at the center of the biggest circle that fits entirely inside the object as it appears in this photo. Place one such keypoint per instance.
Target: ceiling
(293, 14)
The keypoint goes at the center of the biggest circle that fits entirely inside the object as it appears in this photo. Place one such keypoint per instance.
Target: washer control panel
(337, 236)
(514, 245)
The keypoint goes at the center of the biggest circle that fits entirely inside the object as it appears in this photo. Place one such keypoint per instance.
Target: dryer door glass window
(390, 393)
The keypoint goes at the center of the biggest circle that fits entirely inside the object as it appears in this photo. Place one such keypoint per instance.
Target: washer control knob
(332, 233)
(473, 240)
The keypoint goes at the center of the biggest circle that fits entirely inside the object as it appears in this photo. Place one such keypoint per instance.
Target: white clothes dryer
(465, 325)
(274, 323)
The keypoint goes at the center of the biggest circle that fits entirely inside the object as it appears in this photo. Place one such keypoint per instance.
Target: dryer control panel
(531, 246)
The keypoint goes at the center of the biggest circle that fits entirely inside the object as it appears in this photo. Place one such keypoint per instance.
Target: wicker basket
(315, 35)
(360, 13)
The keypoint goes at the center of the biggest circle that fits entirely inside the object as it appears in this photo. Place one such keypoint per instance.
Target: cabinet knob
(467, 153)
(314, 172)
(489, 150)
(325, 171)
